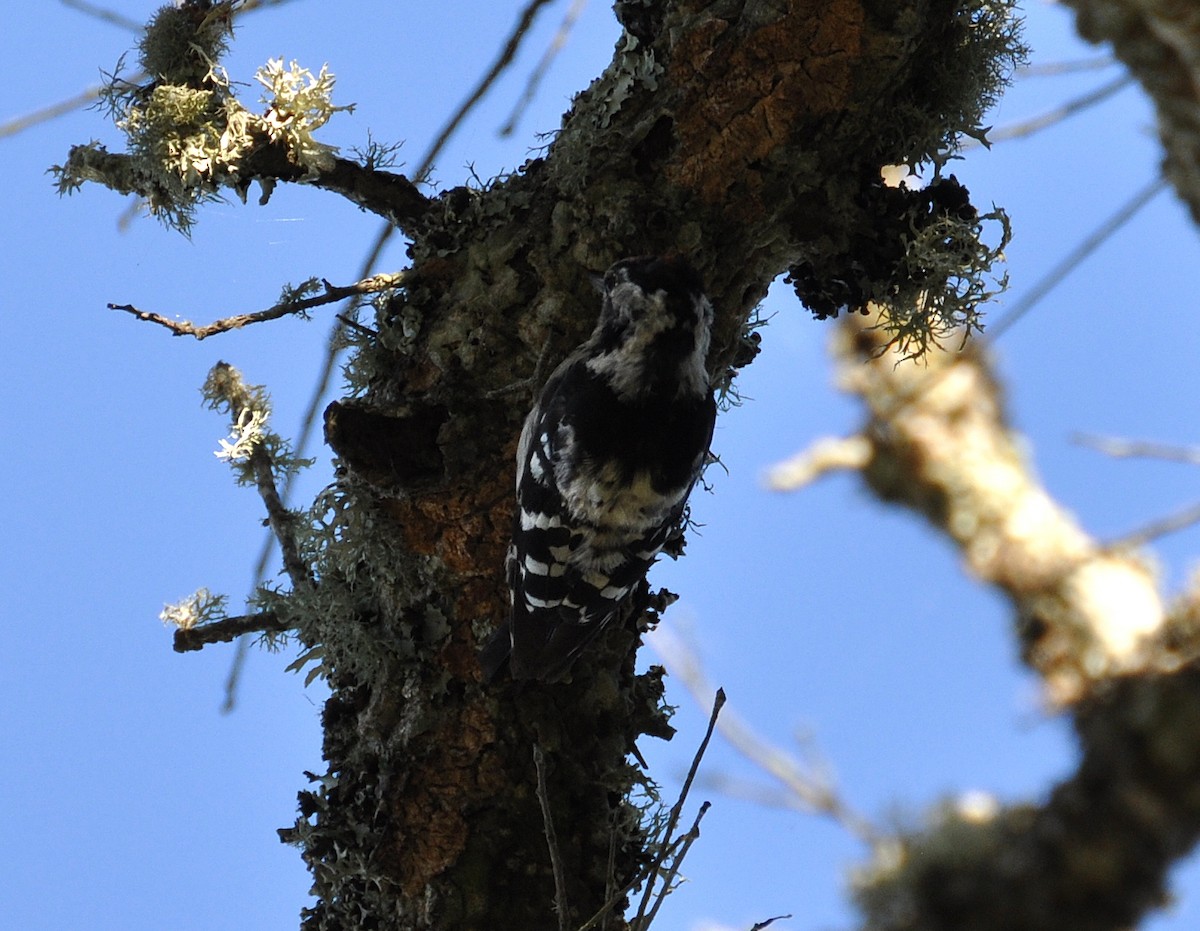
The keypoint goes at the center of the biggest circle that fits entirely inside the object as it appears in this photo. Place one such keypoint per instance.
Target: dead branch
(227, 629)
(333, 293)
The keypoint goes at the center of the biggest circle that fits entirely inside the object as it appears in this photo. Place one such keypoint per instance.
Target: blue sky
(132, 802)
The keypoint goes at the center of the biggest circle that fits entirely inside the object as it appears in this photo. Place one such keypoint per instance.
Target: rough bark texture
(748, 136)
(1159, 40)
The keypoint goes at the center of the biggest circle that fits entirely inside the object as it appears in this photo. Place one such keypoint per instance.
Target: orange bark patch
(465, 527)
(439, 794)
(746, 95)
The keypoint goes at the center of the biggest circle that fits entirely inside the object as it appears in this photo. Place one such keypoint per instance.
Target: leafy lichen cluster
(187, 135)
(249, 410)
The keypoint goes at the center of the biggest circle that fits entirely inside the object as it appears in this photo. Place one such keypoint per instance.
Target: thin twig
(1073, 259)
(351, 324)
(808, 789)
(604, 910)
(1182, 520)
(503, 60)
(611, 872)
(676, 862)
(673, 819)
(540, 69)
(1055, 68)
(560, 875)
(102, 13)
(766, 923)
(1139, 449)
(234, 679)
(226, 629)
(668, 847)
(333, 293)
(1056, 115)
(53, 111)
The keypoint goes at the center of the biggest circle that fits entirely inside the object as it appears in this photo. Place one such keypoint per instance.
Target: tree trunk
(748, 136)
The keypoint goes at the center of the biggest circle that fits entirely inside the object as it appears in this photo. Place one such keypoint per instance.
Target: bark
(1159, 41)
(748, 135)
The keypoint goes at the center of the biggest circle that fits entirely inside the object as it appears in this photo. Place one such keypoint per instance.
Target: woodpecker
(606, 460)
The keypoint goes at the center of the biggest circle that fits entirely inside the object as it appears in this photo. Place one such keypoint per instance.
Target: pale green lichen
(249, 410)
(298, 104)
(949, 273)
(200, 607)
(187, 135)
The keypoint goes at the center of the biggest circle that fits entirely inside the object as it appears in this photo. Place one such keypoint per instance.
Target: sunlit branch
(838, 454)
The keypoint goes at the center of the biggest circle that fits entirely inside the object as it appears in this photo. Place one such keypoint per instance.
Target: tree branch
(392, 196)
(1092, 625)
(333, 294)
(941, 444)
(230, 628)
(1157, 41)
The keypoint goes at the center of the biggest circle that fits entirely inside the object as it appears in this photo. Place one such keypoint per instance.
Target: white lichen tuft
(250, 441)
(246, 434)
(200, 607)
(298, 104)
